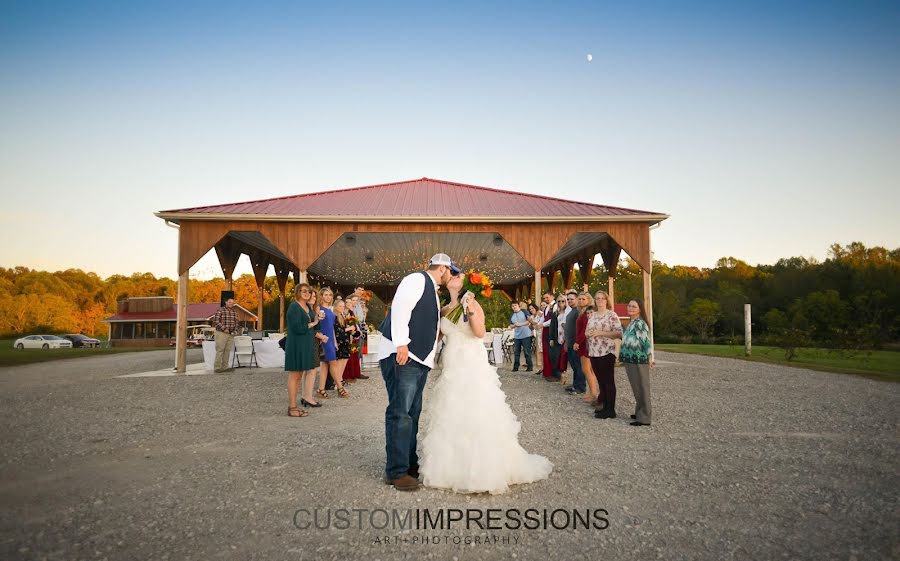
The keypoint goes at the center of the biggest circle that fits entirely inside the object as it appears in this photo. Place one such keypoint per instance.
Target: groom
(406, 355)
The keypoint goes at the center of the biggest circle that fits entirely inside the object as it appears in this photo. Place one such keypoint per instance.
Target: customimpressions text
(451, 518)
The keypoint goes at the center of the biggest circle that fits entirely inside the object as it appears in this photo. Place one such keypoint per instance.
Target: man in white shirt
(406, 355)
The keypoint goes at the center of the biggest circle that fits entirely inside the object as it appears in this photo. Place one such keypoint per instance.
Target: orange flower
(487, 292)
(475, 278)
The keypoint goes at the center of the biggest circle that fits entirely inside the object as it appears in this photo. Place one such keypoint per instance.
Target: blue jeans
(518, 345)
(579, 382)
(401, 418)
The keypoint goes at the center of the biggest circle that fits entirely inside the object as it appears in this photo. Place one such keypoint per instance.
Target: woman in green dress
(299, 352)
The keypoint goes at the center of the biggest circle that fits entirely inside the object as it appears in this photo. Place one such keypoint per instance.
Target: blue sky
(765, 130)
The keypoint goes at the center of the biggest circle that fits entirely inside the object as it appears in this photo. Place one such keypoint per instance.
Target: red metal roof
(195, 312)
(420, 197)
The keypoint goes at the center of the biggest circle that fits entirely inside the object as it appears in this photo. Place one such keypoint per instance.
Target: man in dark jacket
(579, 384)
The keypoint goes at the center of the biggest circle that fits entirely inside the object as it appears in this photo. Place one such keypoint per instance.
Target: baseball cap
(444, 259)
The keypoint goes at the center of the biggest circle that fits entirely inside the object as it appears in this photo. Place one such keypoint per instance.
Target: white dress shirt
(406, 298)
(548, 317)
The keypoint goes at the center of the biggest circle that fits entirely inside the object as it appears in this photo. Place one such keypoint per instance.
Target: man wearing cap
(406, 355)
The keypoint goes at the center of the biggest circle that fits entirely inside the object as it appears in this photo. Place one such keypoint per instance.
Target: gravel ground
(744, 461)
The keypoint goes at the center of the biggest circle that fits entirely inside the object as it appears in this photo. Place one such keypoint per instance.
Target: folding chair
(507, 344)
(489, 347)
(243, 346)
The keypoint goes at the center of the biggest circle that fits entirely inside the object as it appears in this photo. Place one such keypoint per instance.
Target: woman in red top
(585, 307)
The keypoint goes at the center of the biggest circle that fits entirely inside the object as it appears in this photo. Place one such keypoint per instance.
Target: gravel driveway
(744, 461)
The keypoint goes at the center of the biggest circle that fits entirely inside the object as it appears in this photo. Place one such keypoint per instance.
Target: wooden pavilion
(374, 235)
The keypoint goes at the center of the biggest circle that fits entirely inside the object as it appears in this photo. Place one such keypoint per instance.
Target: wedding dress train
(471, 435)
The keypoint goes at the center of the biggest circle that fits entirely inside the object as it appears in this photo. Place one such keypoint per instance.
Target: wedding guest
(536, 317)
(361, 311)
(578, 380)
(523, 305)
(518, 321)
(637, 356)
(549, 353)
(319, 340)
(602, 330)
(359, 308)
(586, 307)
(353, 370)
(329, 358)
(342, 342)
(226, 323)
(299, 349)
(561, 362)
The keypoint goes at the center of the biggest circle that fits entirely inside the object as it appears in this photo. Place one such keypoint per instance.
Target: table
(268, 354)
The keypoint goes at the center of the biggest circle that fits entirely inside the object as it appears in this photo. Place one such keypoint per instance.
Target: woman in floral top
(603, 329)
(637, 357)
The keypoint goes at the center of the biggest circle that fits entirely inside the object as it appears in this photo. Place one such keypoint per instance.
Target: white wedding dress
(471, 440)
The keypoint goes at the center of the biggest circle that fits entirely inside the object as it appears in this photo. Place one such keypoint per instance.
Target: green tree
(703, 315)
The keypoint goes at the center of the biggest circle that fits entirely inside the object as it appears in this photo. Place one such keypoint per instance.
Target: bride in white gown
(471, 435)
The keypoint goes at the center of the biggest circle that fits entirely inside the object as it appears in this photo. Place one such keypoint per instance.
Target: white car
(42, 342)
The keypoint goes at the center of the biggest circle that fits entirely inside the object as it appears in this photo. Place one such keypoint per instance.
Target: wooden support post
(260, 264)
(585, 266)
(611, 262)
(281, 275)
(181, 325)
(259, 313)
(537, 288)
(747, 329)
(568, 275)
(648, 303)
(612, 290)
(228, 251)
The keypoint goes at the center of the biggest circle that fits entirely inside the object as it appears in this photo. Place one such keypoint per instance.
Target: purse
(282, 342)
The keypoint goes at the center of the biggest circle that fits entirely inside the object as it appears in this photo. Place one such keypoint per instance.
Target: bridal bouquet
(351, 320)
(479, 284)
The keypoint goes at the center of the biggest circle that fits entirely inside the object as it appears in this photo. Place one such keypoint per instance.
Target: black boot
(606, 413)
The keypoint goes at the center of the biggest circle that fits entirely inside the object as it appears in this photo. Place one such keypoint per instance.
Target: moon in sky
(590, 57)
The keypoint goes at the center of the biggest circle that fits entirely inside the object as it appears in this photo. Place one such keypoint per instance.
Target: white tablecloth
(370, 359)
(268, 354)
(498, 348)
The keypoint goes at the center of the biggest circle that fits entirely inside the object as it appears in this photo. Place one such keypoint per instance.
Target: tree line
(848, 301)
(851, 300)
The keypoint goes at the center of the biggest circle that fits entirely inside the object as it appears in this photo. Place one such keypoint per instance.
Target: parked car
(79, 341)
(42, 342)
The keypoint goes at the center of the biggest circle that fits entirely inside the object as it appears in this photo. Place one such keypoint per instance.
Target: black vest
(423, 322)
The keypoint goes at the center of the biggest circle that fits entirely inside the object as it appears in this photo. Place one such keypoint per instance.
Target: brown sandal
(322, 393)
(342, 392)
(300, 412)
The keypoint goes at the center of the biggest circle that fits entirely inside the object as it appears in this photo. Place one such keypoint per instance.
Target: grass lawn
(881, 365)
(10, 356)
